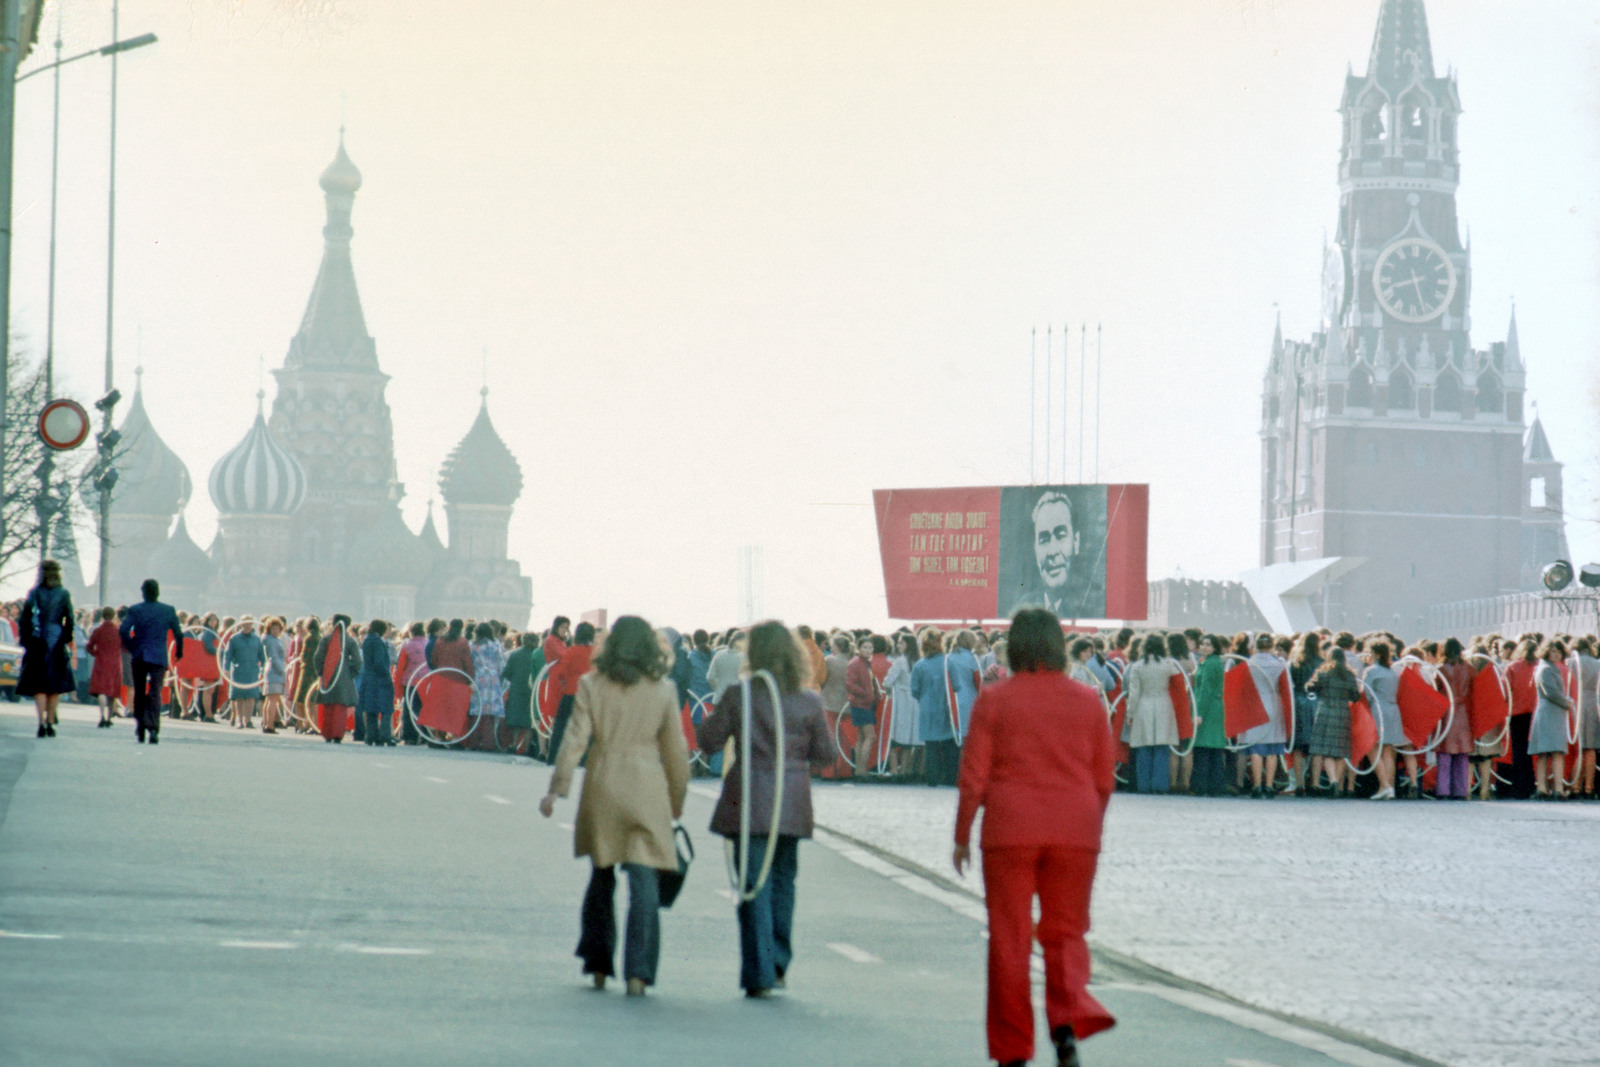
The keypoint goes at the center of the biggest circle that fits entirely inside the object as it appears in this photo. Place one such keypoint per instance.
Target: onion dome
(388, 553)
(152, 480)
(180, 563)
(341, 175)
(259, 477)
(481, 469)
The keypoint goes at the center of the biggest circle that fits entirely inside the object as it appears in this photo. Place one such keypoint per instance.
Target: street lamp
(46, 504)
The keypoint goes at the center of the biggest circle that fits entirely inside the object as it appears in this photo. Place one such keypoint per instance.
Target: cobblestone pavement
(1463, 932)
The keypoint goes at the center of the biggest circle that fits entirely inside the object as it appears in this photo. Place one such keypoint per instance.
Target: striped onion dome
(259, 477)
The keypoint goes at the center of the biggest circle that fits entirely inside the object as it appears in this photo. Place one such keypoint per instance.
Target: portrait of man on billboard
(1052, 550)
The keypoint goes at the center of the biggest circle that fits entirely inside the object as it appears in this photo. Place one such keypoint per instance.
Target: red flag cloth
(333, 720)
(1119, 718)
(549, 702)
(1487, 705)
(1241, 702)
(1178, 689)
(1286, 707)
(446, 703)
(333, 658)
(686, 720)
(1421, 706)
(840, 726)
(1363, 732)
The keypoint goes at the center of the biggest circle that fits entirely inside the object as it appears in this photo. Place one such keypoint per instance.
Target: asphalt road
(230, 898)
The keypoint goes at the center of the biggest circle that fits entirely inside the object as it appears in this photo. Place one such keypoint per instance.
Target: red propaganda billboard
(982, 553)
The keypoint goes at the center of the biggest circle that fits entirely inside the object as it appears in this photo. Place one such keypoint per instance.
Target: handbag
(671, 882)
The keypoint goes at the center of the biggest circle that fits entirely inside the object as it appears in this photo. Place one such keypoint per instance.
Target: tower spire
(1401, 48)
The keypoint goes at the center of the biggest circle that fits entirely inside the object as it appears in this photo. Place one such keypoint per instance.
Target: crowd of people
(1336, 714)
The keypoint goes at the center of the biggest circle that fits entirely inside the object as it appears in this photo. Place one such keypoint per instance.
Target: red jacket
(1524, 697)
(105, 646)
(858, 685)
(1039, 761)
(573, 666)
(554, 649)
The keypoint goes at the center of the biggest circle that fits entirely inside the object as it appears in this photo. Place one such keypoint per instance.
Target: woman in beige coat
(625, 718)
(1152, 723)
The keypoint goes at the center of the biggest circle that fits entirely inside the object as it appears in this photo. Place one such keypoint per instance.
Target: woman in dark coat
(305, 678)
(375, 702)
(518, 675)
(1335, 687)
(767, 921)
(45, 630)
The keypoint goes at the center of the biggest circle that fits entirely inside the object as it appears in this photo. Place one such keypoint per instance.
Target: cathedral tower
(1387, 436)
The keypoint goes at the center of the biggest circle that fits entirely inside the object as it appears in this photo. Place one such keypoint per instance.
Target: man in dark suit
(144, 635)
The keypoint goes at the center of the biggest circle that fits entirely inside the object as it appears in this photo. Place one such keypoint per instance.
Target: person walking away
(566, 675)
(1039, 763)
(105, 677)
(723, 673)
(334, 671)
(625, 718)
(518, 674)
(1547, 733)
(766, 922)
(277, 654)
(375, 696)
(144, 633)
(1455, 751)
(45, 631)
(1335, 687)
(488, 696)
(861, 691)
(246, 660)
(930, 689)
(1304, 663)
(1151, 724)
(1209, 777)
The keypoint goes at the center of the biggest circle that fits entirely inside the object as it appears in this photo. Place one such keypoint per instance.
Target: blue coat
(144, 632)
(964, 677)
(375, 691)
(933, 704)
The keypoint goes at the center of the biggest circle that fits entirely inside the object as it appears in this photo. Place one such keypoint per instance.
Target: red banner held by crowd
(1363, 733)
(1422, 707)
(1487, 704)
(1241, 701)
(446, 703)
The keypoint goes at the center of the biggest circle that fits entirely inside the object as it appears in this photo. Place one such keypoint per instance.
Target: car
(10, 665)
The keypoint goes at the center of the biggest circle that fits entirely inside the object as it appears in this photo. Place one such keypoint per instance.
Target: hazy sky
(735, 264)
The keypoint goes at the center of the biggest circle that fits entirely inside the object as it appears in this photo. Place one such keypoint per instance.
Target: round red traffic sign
(63, 424)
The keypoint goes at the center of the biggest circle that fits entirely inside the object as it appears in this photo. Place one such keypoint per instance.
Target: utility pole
(10, 56)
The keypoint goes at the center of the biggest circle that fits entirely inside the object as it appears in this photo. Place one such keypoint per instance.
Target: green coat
(1208, 697)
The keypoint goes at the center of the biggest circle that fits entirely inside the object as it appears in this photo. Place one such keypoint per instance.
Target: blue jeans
(1153, 767)
(766, 923)
(597, 945)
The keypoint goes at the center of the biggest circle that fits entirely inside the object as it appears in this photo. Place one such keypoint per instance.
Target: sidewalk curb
(1114, 966)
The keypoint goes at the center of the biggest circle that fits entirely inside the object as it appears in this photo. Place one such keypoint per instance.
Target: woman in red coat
(1039, 761)
(105, 678)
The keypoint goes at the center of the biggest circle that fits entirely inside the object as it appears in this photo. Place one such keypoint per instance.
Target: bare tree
(26, 501)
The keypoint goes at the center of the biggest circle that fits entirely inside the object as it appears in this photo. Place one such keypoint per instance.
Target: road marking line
(1231, 1062)
(387, 950)
(431, 778)
(30, 937)
(853, 954)
(566, 826)
(495, 799)
(269, 945)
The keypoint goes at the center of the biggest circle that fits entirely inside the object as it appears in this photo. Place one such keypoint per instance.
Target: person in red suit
(1039, 761)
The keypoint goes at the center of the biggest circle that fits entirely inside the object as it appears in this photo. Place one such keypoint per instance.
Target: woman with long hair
(1382, 686)
(1335, 687)
(1151, 725)
(44, 629)
(333, 681)
(1304, 662)
(488, 692)
(935, 725)
(413, 660)
(905, 734)
(625, 719)
(766, 922)
(1181, 766)
(1586, 665)
(1455, 751)
(1040, 764)
(1547, 733)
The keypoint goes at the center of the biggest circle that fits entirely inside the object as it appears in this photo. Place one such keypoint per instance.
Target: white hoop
(1194, 718)
(428, 732)
(739, 869)
(1375, 709)
(1441, 731)
(344, 635)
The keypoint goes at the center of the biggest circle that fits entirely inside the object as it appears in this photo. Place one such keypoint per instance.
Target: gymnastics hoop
(534, 686)
(1228, 658)
(1439, 732)
(702, 703)
(222, 661)
(344, 635)
(1375, 709)
(739, 866)
(193, 632)
(1111, 711)
(429, 733)
(1575, 721)
(1505, 691)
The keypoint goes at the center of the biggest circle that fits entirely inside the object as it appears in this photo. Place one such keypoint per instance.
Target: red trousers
(333, 720)
(1062, 878)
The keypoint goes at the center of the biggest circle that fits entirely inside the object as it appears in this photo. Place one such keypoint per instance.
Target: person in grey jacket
(277, 675)
(1548, 732)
